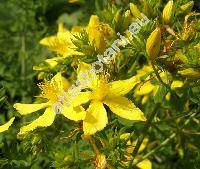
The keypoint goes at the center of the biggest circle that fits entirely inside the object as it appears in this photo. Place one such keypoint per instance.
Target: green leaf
(161, 93)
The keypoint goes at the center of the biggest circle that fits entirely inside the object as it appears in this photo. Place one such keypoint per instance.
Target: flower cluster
(109, 55)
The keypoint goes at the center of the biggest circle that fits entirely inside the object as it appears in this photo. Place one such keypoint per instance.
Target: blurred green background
(23, 23)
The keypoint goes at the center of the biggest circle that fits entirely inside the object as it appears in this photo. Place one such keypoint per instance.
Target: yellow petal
(144, 89)
(81, 98)
(122, 87)
(143, 145)
(155, 90)
(146, 69)
(95, 33)
(133, 144)
(86, 76)
(82, 67)
(57, 80)
(144, 99)
(60, 82)
(44, 120)
(96, 118)
(176, 84)
(5, 126)
(52, 62)
(168, 95)
(77, 29)
(65, 45)
(49, 64)
(124, 108)
(145, 164)
(61, 43)
(61, 28)
(48, 41)
(25, 109)
(125, 136)
(65, 38)
(74, 113)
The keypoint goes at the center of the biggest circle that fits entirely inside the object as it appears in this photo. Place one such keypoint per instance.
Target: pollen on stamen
(49, 90)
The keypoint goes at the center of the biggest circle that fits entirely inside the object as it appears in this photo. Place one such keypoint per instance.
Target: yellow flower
(5, 126)
(98, 32)
(62, 42)
(145, 164)
(110, 94)
(51, 90)
(63, 45)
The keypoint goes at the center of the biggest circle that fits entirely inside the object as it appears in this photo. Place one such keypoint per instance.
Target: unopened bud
(190, 73)
(135, 11)
(187, 7)
(153, 44)
(127, 19)
(117, 16)
(147, 10)
(168, 12)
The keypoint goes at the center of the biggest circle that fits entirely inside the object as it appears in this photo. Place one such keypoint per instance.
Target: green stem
(23, 64)
(159, 78)
(165, 142)
(161, 81)
(93, 144)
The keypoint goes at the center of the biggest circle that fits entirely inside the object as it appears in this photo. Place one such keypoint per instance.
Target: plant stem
(158, 76)
(23, 68)
(92, 142)
(165, 142)
(161, 81)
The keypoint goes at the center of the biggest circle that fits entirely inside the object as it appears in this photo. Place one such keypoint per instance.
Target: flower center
(50, 91)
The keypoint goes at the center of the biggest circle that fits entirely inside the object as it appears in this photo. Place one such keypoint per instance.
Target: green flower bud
(187, 7)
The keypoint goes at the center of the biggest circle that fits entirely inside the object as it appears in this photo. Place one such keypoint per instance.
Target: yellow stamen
(50, 90)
